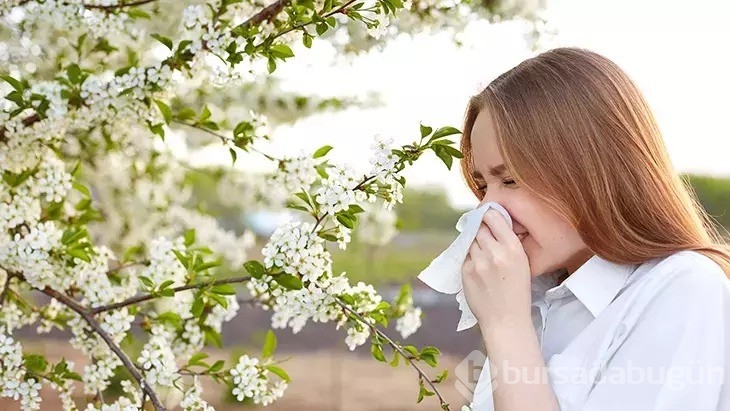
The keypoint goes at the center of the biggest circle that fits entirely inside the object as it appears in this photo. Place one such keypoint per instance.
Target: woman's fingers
(485, 239)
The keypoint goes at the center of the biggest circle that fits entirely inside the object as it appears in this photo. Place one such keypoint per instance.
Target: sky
(678, 55)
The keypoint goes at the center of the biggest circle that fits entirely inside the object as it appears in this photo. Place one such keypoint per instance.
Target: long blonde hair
(575, 131)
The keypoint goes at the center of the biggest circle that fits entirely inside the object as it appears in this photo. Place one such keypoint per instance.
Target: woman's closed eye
(483, 186)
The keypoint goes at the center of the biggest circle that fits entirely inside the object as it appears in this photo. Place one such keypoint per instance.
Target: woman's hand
(496, 274)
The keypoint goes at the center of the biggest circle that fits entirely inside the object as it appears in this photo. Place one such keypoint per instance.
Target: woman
(611, 290)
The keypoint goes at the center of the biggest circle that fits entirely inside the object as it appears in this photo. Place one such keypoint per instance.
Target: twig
(224, 139)
(146, 297)
(81, 310)
(396, 347)
(119, 6)
(324, 16)
(6, 287)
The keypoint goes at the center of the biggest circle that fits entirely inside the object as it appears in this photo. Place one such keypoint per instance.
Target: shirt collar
(595, 283)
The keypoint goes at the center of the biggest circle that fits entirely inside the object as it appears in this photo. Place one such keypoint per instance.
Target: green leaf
(453, 152)
(167, 292)
(269, 344)
(206, 265)
(74, 73)
(205, 114)
(307, 40)
(219, 300)
(355, 209)
(443, 155)
(423, 392)
(411, 350)
(234, 156)
(322, 151)
(165, 110)
(425, 130)
(281, 51)
(278, 371)
(289, 281)
(443, 132)
(255, 268)
(328, 237)
(189, 237)
(146, 281)
(79, 253)
(82, 189)
(321, 28)
(223, 289)
(442, 377)
(171, 318)
(137, 13)
(131, 252)
(303, 196)
(347, 220)
(166, 284)
(217, 366)
(271, 65)
(164, 40)
(197, 357)
(377, 351)
(214, 337)
(17, 85)
(158, 129)
(35, 363)
(182, 258)
(396, 358)
(197, 307)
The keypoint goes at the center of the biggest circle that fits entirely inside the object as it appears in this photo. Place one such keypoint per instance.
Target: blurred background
(676, 51)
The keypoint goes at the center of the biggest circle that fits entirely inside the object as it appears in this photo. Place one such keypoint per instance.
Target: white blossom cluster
(163, 264)
(192, 400)
(157, 359)
(29, 252)
(384, 170)
(250, 380)
(410, 322)
(295, 174)
(295, 248)
(290, 250)
(12, 375)
(61, 14)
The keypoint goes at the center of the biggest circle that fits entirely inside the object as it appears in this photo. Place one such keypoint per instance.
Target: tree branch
(122, 4)
(268, 13)
(26, 122)
(81, 310)
(147, 297)
(396, 347)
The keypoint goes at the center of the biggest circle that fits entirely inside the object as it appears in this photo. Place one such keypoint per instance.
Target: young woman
(611, 290)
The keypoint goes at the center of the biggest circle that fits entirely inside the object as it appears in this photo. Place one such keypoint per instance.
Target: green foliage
(714, 195)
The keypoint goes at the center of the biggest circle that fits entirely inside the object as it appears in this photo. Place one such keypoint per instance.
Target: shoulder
(691, 271)
(687, 284)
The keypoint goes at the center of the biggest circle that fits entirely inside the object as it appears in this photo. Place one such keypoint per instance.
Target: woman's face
(551, 242)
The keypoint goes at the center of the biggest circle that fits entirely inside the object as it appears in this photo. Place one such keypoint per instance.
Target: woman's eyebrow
(493, 171)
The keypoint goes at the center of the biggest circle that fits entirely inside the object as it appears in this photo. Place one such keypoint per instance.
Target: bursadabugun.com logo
(567, 374)
(468, 373)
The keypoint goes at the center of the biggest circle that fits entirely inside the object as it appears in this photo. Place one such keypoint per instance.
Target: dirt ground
(325, 380)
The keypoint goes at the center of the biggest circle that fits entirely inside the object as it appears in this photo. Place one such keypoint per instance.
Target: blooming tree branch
(84, 313)
(97, 210)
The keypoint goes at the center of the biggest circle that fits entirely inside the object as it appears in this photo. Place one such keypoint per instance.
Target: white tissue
(443, 274)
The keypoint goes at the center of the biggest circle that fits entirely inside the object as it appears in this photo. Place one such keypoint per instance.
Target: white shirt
(660, 331)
